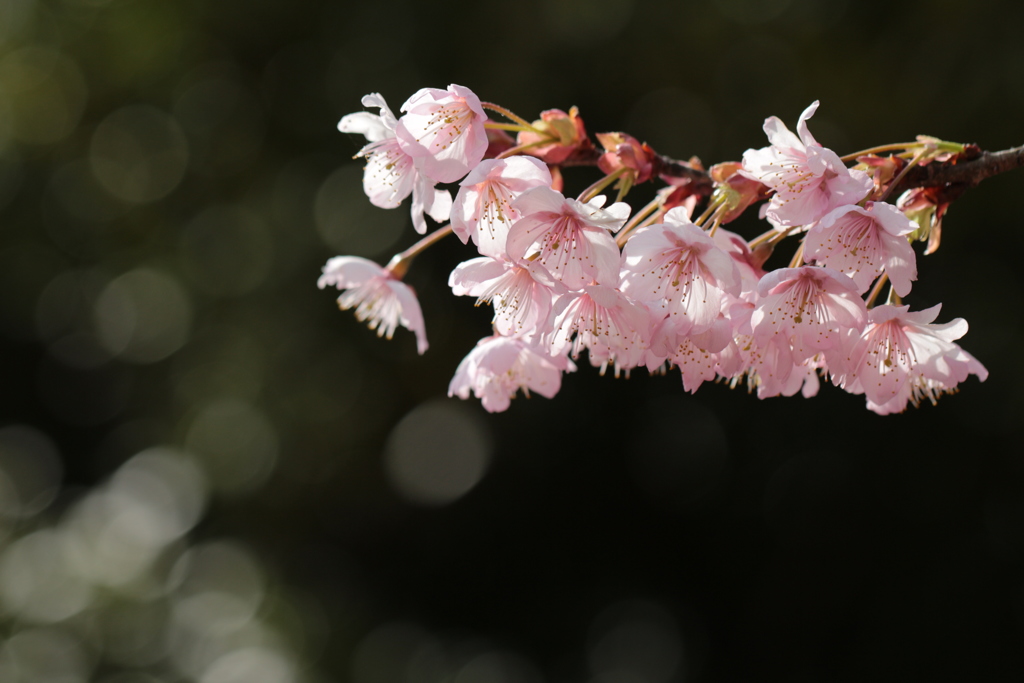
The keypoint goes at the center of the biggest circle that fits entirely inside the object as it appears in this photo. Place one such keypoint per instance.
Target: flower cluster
(660, 289)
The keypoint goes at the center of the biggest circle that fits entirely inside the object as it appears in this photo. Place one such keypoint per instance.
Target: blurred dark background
(208, 473)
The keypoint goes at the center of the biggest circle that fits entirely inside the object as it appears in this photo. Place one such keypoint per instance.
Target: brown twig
(964, 171)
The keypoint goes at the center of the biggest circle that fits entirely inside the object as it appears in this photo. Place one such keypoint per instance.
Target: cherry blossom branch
(957, 175)
(960, 174)
(566, 276)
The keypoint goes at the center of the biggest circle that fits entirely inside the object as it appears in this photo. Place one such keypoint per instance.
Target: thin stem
(763, 238)
(881, 148)
(717, 220)
(636, 220)
(798, 257)
(713, 206)
(522, 148)
(772, 237)
(594, 189)
(625, 185)
(508, 114)
(516, 127)
(783, 234)
(399, 263)
(903, 173)
(876, 290)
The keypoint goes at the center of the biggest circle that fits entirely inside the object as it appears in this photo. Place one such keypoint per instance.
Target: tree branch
(953, 176)
(962, 172)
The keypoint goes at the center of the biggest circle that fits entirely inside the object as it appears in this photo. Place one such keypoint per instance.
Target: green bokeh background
(175, 164)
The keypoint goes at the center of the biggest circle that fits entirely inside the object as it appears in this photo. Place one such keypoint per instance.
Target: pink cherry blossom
(861, 241)
(809, 180)
(572, 240)
(766, 364)
(483, 208)
(902, 357)
(521, 294)
(378, 296)
(498, 367)
(696, 355)
(609, 324)
(390, 174)
(678, 269)
(808, 306)
(444, 131)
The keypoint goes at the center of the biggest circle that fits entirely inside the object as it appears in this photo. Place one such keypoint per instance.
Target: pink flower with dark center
(807, 306)
(483, 208)
(809, 180)
(901, 357)
(377, 296)
(572, 240)
(861, 241)
(390, 174)
(677, 268)
(444, 131)
(521, 295)
(499, 367)
(611, 326)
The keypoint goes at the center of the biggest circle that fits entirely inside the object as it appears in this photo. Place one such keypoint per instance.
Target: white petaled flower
(444, 131)
(610, 325)
(378, 297)
(809, 307)
(809, 180)
(676, 268)
(521, 295)
(483, 209)
(901, 357)
(499, 367)
(572, 240)
(861, 241)
(390, 174)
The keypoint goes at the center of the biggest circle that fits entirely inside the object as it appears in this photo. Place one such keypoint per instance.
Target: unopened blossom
(390, 174)
(378, 297)
(521, 294)
(735, 190)
(483, 208)
(861, 241)
(564, 135)
(610, 325)
(498, 367)
(572, 240)
(678, 269)
(925, 206)
(901, 357)
(809, 180)
(623, 151)
(808, 306)
(444, 131)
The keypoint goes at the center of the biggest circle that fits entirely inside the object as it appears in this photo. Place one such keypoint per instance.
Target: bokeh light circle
(437, 453)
